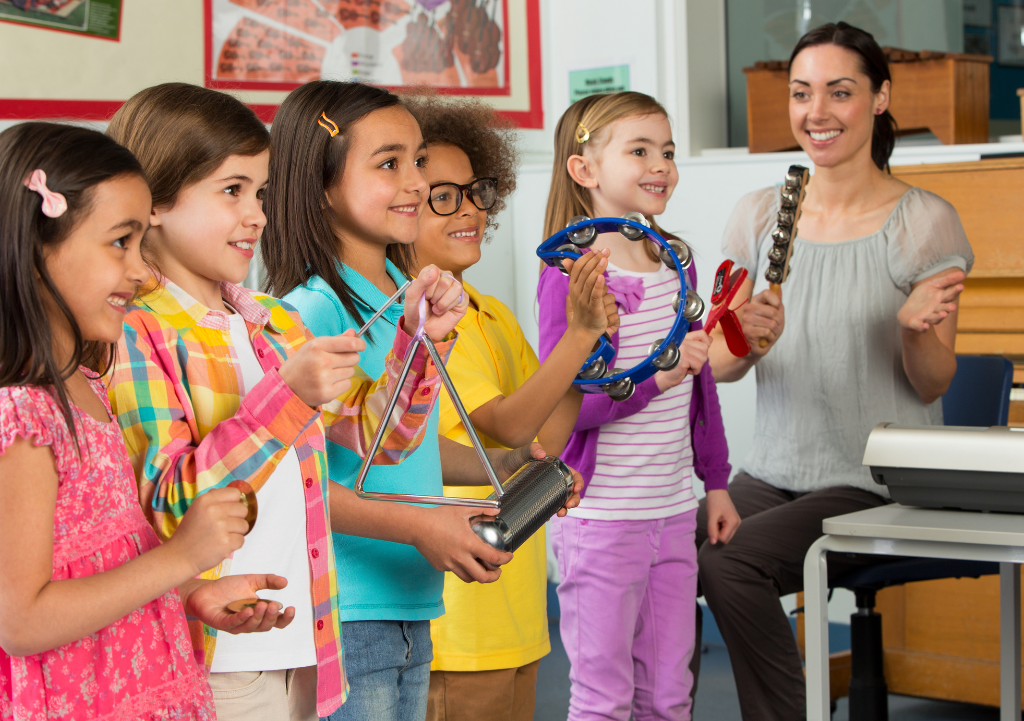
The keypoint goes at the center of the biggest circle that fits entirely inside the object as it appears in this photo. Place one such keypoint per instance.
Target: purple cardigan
(710, 451)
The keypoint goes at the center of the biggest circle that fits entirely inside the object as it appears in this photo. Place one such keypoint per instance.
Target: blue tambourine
(597, 375)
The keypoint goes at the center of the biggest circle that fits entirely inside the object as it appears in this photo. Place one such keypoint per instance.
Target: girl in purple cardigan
(627, 555)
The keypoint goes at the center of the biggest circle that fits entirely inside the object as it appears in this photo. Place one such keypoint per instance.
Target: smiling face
(98, 266)
(832, 106)
(633, 166)
(453, 241)
(208, 235)
(382, 190)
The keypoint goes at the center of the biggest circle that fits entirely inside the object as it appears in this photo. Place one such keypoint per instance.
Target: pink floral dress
(139, 667)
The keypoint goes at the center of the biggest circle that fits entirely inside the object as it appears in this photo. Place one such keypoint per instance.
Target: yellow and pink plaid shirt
(175, 391)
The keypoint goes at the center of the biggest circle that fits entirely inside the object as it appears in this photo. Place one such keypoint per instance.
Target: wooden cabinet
(941, 639)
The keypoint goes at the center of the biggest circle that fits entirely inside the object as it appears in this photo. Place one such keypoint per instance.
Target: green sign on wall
(597, 81)
(98, 18)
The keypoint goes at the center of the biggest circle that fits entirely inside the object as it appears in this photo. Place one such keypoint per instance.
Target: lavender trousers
(625, 587)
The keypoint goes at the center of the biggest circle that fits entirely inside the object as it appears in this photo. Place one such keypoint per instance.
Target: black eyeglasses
(446, 198)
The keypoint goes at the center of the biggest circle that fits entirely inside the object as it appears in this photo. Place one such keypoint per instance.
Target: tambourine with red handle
(597, 375)
(727, 285)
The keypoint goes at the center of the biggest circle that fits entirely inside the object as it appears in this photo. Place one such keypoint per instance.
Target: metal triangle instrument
(526, 500)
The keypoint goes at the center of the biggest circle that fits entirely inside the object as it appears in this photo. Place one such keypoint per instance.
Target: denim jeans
(388, 668)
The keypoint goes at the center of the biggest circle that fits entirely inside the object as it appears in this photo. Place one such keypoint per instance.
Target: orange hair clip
(332, 128)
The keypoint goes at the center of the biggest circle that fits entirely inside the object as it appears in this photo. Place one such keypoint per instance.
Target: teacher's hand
(931, 301)
(763, 317)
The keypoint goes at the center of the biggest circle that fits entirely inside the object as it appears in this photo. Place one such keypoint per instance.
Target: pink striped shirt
(645, 461)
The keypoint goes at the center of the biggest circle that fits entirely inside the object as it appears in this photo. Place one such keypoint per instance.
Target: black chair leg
(869, 695)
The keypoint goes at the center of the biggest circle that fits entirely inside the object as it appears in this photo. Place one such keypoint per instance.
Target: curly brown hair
(477, 130)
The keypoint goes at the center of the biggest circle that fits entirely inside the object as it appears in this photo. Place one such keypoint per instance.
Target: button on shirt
(380, 580)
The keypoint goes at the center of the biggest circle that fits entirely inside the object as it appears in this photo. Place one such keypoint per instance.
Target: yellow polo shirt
(502, 624)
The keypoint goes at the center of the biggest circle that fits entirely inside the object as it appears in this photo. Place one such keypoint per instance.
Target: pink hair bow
(628, 292)
(54, 204)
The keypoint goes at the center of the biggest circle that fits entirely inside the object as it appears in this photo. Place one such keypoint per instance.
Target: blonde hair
(567, 198)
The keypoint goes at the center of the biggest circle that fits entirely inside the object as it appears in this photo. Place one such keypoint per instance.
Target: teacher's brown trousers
(743, 580)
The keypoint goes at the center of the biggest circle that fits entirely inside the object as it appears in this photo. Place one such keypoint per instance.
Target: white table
(895, 530)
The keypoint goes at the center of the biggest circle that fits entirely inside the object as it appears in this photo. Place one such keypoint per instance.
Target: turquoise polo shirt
(377, 580)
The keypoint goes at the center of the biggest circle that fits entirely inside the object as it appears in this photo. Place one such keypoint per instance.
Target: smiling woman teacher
(870, 323)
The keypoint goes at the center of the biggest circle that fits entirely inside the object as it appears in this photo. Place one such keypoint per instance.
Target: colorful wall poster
(96, 18)
(173, 40)
(452, 44)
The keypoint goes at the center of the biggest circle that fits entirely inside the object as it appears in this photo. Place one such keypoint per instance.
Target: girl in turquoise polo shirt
(343, 201)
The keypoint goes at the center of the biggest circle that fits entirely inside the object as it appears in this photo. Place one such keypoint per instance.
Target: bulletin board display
(485, 48)
(94, 18)
(75, 77)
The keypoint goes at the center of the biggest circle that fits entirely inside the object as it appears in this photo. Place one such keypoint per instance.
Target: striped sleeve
(153, 407)
(353, 418)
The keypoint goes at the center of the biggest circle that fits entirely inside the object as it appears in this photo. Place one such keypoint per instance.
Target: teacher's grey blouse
(837, 371)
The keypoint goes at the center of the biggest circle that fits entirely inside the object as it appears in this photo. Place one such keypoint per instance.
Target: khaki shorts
(265, 695)
(507, 693)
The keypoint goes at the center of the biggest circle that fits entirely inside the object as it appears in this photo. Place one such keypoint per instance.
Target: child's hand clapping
(446, 303)
(211, 530)
(322, 368)
(693, 354)
(590, 306)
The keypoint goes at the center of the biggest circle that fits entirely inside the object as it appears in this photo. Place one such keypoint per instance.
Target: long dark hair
(75, 160)
(873, 64)
(301, 239)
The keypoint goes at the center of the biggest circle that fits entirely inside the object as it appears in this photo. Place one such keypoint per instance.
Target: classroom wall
(161, 41)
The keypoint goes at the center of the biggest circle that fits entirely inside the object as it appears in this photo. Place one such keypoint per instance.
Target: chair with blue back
(979, 395)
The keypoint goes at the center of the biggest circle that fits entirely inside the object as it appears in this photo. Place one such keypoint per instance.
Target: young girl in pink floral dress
(92, 606)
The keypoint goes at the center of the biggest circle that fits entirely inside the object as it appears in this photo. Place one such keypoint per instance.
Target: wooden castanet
(727, 285)
(248, 497)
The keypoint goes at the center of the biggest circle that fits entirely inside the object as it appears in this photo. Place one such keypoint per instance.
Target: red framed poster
(261, 49)
(460, 47)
